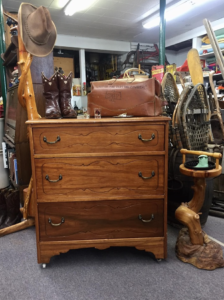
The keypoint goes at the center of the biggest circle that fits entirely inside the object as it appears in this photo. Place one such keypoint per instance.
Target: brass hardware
(55, 225)
(146, 221)
(140, 175)
(46, 141)
(145, 140)
(47, 178)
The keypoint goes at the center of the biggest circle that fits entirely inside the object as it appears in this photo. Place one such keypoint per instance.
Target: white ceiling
(121, 19)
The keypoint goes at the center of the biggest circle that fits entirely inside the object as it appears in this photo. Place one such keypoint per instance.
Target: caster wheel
(44, 266)
(159, 260)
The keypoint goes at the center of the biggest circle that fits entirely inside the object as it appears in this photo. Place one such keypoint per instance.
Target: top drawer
(98, 139)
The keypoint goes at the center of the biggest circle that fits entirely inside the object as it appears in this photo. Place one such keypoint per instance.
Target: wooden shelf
(16, 186)
(12, 87)
(219, 74)
(10, 55)
(7, 141)
(210, 54)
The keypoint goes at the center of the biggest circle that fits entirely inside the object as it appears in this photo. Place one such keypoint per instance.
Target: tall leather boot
(3, 208)
(51, 94)
(65, 85)
(14, 215)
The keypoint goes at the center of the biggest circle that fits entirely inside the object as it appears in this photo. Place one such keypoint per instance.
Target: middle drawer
(98, 178)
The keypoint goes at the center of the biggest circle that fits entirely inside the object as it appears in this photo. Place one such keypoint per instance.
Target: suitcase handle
(133, 70)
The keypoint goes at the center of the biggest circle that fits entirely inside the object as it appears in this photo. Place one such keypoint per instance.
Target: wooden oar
(196, 73)
(195, 68)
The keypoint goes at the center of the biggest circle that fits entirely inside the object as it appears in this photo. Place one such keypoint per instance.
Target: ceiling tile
(11, 5)
(58, 4)
(130, 17)
(96, 11)
(144, 3)
(38, 3)
(113, 21)
(108, 4)
(120, 19)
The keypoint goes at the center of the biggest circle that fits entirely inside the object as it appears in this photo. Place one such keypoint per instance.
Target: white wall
(90, 44)
(177, 57)
(171, 56)
(198, 31)
(181, 56)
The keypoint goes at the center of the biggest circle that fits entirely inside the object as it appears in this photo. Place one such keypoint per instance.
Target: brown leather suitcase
(136, 96)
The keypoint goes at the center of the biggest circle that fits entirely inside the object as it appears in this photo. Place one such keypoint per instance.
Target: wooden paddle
(195, 68)
(196, 73)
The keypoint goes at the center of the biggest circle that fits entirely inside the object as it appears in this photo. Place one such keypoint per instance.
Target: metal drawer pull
(140, 175)
(144, 140)
(47, 178)
(146, 221)
(57, 140)
(55, 225)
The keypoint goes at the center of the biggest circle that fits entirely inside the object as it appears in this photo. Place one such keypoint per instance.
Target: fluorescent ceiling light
(77, 5)
(60, 3)
(178, 9)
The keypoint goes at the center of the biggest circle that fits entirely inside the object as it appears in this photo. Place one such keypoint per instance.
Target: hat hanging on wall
(37, 30)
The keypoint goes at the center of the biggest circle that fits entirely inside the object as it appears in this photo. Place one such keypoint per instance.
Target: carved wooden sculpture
(193, 245)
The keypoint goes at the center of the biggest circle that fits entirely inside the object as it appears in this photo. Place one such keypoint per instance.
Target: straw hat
(37, 30)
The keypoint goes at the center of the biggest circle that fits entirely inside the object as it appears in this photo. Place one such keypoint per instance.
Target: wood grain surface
(104, 219)
(74, 122)
(100, 194)
(99, 177)
(99, 139)
(156, 245)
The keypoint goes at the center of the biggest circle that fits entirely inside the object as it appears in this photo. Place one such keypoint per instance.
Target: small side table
(193, 245)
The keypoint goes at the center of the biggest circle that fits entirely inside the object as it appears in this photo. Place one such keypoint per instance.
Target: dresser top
(44, 121)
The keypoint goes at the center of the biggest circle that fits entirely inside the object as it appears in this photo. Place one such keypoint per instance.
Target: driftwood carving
(207, 256)
(193, 245)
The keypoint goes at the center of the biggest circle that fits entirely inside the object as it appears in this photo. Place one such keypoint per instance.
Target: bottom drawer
(100, 219)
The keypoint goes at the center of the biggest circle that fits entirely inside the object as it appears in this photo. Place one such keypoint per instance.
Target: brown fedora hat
(37, 30)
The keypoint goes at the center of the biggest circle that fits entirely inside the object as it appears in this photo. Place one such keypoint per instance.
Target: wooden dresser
(100, 183)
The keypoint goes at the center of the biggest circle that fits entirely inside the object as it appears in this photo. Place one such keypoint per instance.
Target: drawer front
(99, 178)
(101, 219)
(98, 139)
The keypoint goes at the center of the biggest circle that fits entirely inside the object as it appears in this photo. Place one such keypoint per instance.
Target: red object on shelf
(158, 72)
(184, 67)
(1, 111)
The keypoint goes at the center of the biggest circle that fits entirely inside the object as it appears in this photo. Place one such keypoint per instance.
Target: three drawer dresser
(100, 183)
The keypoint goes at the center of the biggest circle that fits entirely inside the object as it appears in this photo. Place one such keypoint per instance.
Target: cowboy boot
(65, 86)
(3, 208)
(51, 94)
(14, 215)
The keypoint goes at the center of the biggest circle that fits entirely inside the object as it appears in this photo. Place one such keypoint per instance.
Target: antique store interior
(112, 149)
